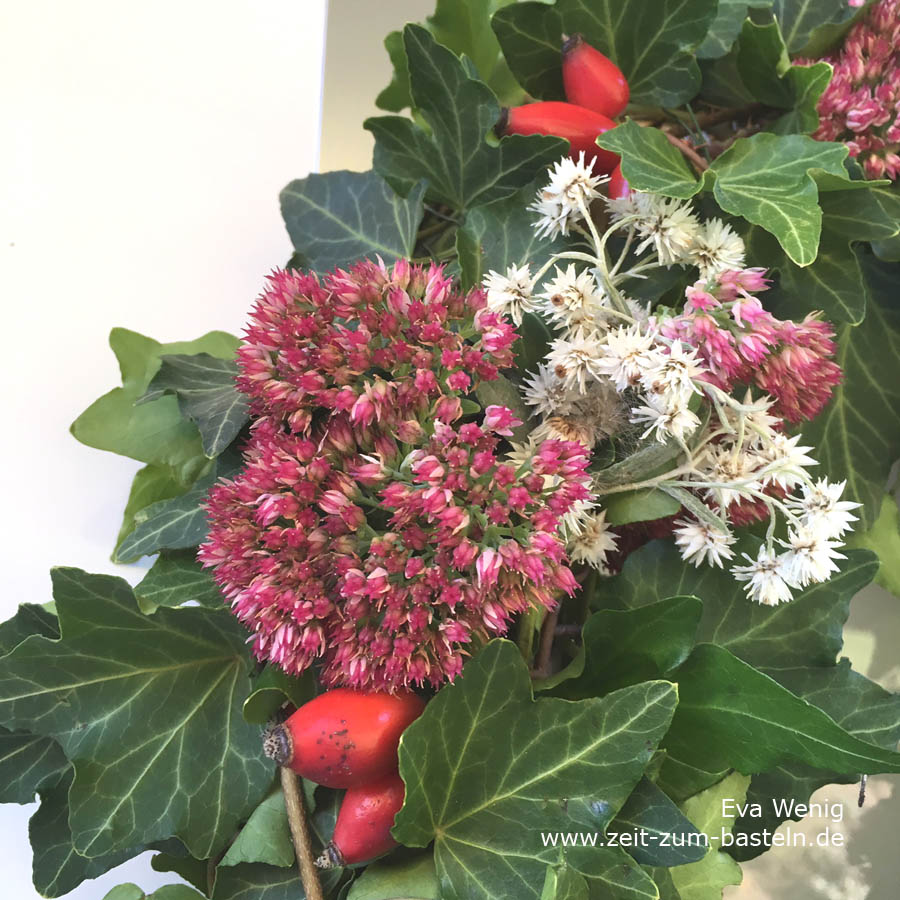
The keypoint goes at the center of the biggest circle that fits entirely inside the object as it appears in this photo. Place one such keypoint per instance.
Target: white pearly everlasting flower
(735, 470)
(577, 518)
(594, 542)
(510, 294)
(758, 424)
(786, 461)
(717, 248)
(664, 416)
(667, 225)
(671, 371)
(765, 577)
(625, 357)
(558, 205)
(810, 557)
(576, 359)
(545, 391)
(822, 510)
(572, 300)
(699, 543)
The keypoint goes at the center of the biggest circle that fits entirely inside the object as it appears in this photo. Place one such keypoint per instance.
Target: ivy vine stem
(293, 803)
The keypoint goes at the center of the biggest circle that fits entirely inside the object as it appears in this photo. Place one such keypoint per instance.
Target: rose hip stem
(293, 803)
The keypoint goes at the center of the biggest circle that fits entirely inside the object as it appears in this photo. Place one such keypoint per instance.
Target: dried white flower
(510, 294)
(735, 470)
(546, 392)
(671, 371)
(625, 357)
(595, 541)
(810, 557)
(572, 300)
(717, 247)
(667, 225)
(576, 359)
(699, 543)
(786, 462)
(765, 577)
(558, 205)
(664, 416)
(822, 510)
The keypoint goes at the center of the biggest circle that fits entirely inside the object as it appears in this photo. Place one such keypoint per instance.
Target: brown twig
(700, 164)
(545, 648)
(568, 630)
(296, 814)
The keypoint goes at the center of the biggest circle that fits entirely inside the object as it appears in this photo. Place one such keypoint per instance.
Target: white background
(143, 148)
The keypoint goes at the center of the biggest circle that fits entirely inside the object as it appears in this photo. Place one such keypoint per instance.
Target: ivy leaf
(28, 763)
(500, 236)
(151, 484)
(194, 871)
(335, 218)
(174, 579)
(727, 26)
(266, 838)
(564, 883)
(409, 879)
(858, 705)
(555, 763)
(857, 437)
(730, 714)
(140, 716)
(628, 646)
(207, 395)
(463, 26)
(166, 892)
(883, 538)
(174, 524)
(462, 169)
(30, 618)
(649, 161)
(649, 811)
(767, 180)
(799, 19)
(806, 631)
(153, 432)
(272, 689)
(766, 71)
(643, 505)
(704, 880)
(653, 42)
(258, 881)
(56, 867)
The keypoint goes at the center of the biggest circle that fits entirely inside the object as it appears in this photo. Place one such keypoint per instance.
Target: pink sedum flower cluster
(369, 530)
(861, 105)
(742, 343)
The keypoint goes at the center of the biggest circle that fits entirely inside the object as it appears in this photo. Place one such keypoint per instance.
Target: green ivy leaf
(726, 26)
(883, 538)
(28, 763)
(806, 631)
(56, 867)
(767, 180)
(151, 484)
(463, 26)
(649, 161)
(704, 880)
(628, 646)
(153, 432)
(207, 395)
(335, 218)
(799, 19)
(730, 714)
(266, 838)
(643, 505)
(861, 707)
(272, 689)
(857, 437)
(30, 618)
(174, 579)
(653, 42)
(194, 871)
(140, 716)
(648, 810)
(461, 167)
(257, 881)
(563, 883)
(408, 879)
(556, 763)
(166, 892)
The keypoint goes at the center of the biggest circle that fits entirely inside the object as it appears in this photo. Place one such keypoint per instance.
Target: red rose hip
(579, 126)
(344, 738)
(363, 828)
(618, 187)
(591, 79)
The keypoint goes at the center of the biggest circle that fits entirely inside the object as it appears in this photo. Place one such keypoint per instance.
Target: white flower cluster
(609, 365)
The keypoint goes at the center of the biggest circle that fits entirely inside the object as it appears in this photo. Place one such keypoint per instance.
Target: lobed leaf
(176, 578)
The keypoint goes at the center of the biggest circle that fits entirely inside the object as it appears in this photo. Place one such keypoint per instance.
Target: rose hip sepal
(344, 738)
(363, 827)
(579, 126)
(591, 79)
